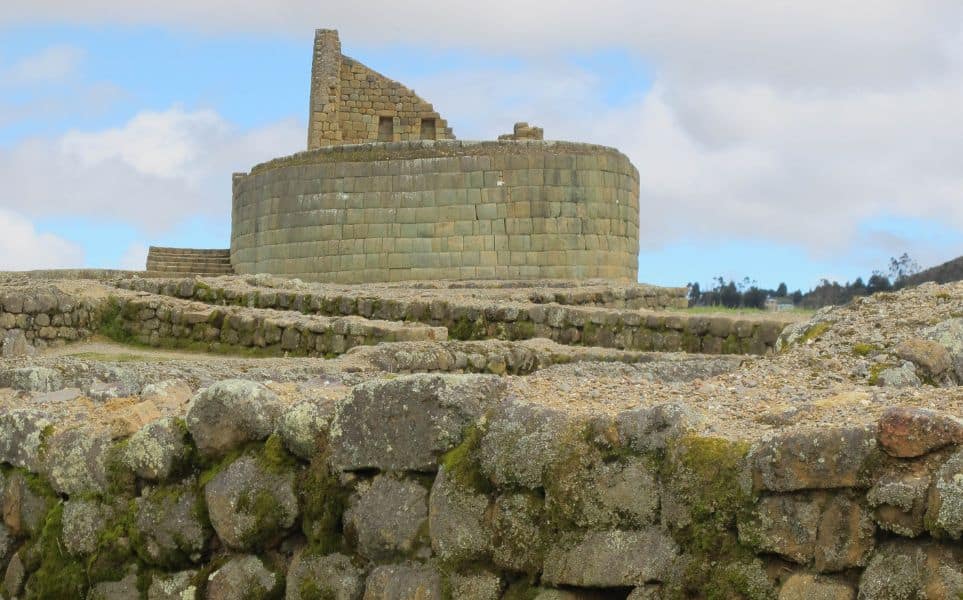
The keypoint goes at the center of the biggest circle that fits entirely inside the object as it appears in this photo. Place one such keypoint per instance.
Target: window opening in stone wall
(427, 129)
(386, 129)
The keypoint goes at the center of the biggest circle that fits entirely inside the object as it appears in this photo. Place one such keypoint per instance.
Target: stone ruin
(253, 437)
(385, 193)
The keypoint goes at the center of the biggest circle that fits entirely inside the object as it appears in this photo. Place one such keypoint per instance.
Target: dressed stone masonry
(385, 193)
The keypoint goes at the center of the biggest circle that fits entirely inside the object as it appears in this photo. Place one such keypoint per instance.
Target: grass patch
(756, 312)
(814, 332)
(864, 349)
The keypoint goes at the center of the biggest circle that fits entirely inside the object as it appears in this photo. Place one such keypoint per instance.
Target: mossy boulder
(457, 520)
(387, 518)
(158, 450)
(904, 570)
(170, 527)
(173, 586)
(83, 523)
(601, 559)
(944, 513)
(75, 461)
(24, 433)
(304, 428)
(26, 502)
(522, 441)
(519, 536)
(480, 585)
(649, 428)
(251, 503)
(244, 577)
(32, 379)
(408, 422)
(314, 577)
(404, 581)
(899, 498)
(830, 457)
(124, 589)
(807, 586)
(231, 413)
(949, 335)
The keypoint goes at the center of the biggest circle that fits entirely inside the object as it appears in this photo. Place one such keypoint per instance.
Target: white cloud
(134, 257)
(154, 171)
(53, 64)
(22, 247)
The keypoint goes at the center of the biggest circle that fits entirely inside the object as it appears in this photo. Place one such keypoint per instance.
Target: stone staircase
(169, 262)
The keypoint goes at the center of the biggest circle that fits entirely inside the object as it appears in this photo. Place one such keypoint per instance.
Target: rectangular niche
(428, 131)
(386, 129)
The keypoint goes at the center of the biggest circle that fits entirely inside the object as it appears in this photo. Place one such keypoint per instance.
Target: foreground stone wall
(431, 487)
(442, 210)
(42, 317)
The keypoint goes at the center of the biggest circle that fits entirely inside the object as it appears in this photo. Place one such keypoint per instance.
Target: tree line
(748, 294)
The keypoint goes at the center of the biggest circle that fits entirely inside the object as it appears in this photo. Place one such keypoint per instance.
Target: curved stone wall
(426, 210)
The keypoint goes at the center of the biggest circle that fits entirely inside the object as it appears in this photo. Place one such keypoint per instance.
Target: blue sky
(122, 131)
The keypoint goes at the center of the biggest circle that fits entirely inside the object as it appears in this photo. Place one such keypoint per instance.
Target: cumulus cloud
(159, 168)
(22, 247)
(134, 257)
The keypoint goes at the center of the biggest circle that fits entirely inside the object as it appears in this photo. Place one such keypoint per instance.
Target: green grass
(708, 310)
(116, 357)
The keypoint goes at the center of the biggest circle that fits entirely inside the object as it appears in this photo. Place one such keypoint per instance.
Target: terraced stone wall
(400, 211)
(41, 317)
(432, 487)
(583, 325)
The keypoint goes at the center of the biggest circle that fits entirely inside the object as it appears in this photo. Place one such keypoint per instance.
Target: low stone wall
(439, 210)
(477, 320)
(41, 317)
(160, 321)
(426, 486)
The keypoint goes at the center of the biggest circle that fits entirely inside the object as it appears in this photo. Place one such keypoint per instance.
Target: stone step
(190, 268)
(192, 263)
(188, 261)
(189, 251)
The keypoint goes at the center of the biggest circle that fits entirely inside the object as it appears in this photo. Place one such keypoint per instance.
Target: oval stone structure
(439, 209)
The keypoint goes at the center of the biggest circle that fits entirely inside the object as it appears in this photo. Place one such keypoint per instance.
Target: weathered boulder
(157, 450)
(901, 570)
(15, 576)
(331, 576)
(407, 423)
(404, 582)
(784, 524)
(649, 428)
(813, 459)
(932, 358)
(32, 379)
(806, 586)
(553, 594)
(23, 434)
(304, 427)
(831, 532)
(83, 523)
(25, 505)
(386, 517)
(949, 334)
(522, 441)
(899, 377)
(481, 585)
(846, 536)
(169, 530)
(170, 394)
(75, 461)
(610, 558)
(14, 344)
(250, 504)
(591, 493)
(518, 535)
(230, 413)
(944, 513)
(898, 499)
(243, 577)
(173, 586)
(125, 589)
(907, 432)
(457, 520)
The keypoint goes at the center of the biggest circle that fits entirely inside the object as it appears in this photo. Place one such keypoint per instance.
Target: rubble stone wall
(440, 210)
(42, 317)
(584, 325)
(432, 487)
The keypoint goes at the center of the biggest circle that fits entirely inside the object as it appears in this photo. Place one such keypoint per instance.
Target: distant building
(779, 304)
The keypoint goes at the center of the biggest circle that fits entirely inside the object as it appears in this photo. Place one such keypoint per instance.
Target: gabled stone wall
(349, 100)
